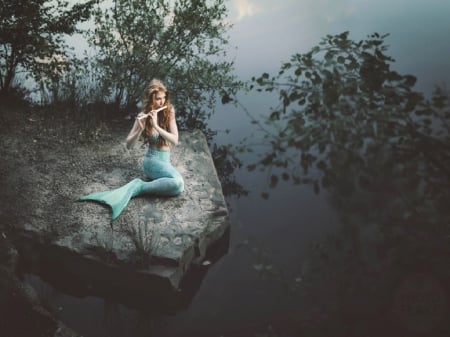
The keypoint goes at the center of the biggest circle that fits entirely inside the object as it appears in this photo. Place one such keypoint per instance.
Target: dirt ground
(31, 140)
(34, 142)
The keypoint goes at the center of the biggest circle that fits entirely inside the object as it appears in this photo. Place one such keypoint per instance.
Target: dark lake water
(293, 267)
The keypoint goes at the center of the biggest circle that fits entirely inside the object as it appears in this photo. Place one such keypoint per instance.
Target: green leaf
(258, 267)
(273, 181)
(321, 165)
(316, 187)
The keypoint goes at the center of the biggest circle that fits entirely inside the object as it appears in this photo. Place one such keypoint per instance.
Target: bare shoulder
(172, 112)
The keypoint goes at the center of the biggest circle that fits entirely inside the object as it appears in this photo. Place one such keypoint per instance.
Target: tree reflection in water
(350, 124)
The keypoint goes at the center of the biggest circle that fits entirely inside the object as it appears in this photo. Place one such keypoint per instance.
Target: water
(292, 267)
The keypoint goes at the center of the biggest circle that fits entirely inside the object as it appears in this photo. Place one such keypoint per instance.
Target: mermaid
(157, 126)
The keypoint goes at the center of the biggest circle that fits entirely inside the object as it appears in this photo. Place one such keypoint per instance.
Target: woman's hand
(153, 115)
(141, 121)
(153, 118)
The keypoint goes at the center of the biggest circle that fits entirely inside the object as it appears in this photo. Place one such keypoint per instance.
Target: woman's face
(160, 99)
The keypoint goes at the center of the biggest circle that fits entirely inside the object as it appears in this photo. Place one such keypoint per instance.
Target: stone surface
(155, 237)
(170, 233)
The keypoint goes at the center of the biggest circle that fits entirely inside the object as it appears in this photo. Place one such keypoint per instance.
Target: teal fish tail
(117, 199)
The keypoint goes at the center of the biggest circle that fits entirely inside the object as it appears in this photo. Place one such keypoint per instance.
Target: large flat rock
(154, 236)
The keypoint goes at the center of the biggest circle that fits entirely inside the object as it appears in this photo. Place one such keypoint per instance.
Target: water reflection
(109, 301)
(349, 124)
(353, 128)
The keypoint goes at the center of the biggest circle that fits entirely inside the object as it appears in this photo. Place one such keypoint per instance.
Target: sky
(266, 33)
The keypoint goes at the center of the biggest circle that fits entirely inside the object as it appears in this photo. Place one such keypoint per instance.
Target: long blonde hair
(164, 116)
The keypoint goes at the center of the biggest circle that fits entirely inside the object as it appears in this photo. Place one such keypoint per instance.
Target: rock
(154, 238)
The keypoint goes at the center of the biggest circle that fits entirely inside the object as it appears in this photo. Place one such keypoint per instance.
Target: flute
(157, 110)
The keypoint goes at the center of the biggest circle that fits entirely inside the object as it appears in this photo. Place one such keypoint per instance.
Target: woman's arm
(136, 131)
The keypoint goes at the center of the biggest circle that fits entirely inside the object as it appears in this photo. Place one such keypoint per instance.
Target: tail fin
(117, 199)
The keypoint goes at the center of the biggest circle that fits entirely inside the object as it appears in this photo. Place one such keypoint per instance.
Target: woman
(156, 124)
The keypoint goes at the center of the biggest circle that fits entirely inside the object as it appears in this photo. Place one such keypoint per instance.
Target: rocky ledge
(155, 239)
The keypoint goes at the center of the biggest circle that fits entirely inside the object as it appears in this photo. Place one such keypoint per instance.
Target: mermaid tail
(166, 181)
(117, 199)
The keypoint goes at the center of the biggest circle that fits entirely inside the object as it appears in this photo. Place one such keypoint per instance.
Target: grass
(145, 237)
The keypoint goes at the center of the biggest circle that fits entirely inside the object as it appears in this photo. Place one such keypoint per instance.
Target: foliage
(226, 161)
(76, 87)
(31, 37)
(182, 42)
(179, 42)
(349, 123)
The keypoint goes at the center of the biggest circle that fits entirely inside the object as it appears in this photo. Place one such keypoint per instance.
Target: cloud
(245, 8)
(340, 14)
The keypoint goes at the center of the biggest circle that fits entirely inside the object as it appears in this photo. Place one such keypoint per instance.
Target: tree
(181, 42)
(349, 123)
(31, 36)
